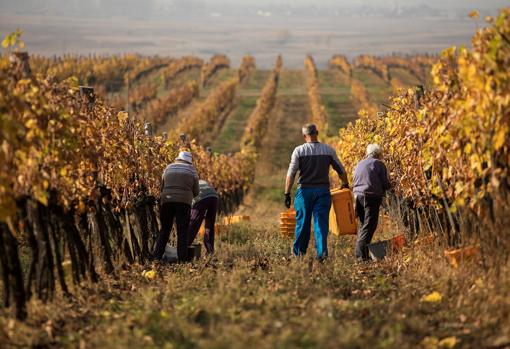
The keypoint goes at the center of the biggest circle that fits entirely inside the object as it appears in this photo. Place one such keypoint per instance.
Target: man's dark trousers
(204, 208)
(181, 212)
(367, 209)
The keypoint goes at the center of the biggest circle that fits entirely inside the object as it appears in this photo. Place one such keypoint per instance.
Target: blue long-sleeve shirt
(370, 178)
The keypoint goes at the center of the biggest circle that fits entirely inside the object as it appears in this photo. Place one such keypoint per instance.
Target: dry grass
(253, 294)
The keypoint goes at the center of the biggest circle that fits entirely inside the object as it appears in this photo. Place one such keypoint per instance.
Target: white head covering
(374, 150)
(185, 156)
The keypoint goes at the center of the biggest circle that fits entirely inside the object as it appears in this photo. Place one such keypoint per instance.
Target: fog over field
(263, 28)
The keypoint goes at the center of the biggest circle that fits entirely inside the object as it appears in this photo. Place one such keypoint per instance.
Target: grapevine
(341, 62)
(216, 63)
(246, 68)
(180, 65)
(259, 117)
(319, 115)
(208, 116)
(447, 150)
(75, 173)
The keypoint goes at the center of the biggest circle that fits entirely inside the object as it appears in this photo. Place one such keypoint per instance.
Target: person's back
(180, 183)
(370, 178)
(206, 191)
(370, 183)
(179, 186)
(205, 206)
(312, 160)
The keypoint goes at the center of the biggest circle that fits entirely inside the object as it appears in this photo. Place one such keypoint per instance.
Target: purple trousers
(205, 208)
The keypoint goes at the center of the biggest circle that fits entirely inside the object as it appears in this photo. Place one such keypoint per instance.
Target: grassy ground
(283, 135)
(336, 92)
(253, 294)
(405, 76)
(378, 90)
(228, 139)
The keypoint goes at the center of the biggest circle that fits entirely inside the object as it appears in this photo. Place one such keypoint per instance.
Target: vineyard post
(20, 62)
(88, 97)
(147, 129)
(127, 94)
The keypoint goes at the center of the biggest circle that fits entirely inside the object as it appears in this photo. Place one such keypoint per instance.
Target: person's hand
(287, 200)
(345, 186)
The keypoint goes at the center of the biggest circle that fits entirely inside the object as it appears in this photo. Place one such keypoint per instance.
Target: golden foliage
(319, 115)
(259, 117)
(217, 62)
(454, 141)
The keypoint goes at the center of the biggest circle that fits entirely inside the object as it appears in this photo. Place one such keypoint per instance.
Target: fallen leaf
(149, 274)
(434, 297)
(430, 342)
(448, 342)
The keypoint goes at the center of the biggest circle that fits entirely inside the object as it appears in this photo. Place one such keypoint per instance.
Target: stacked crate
(288, 223)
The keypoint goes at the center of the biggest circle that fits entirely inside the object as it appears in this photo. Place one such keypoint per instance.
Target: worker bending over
(205, 205)
(178, 188)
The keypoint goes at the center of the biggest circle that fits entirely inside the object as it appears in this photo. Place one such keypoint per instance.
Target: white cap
(185, 156)
(374, 150)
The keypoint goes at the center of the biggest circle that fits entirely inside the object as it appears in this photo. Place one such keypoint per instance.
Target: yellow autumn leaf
(42, 197)
(433, 297)
(430, 342)
(448, 342)
(474, 14)
(149, 274)
(122, 116)
(500, 137)
(31, 123)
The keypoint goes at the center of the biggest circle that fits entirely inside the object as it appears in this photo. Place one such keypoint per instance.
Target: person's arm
(291, 173)
(340, 170)
(196, 187)
(289, 182)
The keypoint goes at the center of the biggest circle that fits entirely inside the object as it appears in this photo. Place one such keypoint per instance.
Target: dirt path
(283, 135)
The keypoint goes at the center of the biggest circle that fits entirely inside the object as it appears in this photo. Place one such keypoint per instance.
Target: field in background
(237, 36)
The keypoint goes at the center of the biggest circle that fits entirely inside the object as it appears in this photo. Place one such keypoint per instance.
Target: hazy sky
(438, 3)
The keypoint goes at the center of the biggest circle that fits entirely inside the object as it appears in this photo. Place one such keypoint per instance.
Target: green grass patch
(405, 76)
(230, 136)
(378, 90)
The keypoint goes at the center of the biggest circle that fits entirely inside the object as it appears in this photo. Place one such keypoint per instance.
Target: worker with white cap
(178, 188)
(370, 183)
